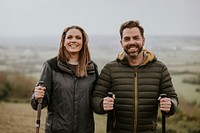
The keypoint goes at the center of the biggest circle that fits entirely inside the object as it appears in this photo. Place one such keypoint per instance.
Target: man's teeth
(133, 48)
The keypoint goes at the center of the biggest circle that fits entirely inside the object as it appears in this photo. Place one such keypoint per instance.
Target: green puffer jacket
(136, 92)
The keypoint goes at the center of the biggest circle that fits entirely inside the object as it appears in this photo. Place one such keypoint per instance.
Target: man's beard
(131, 52)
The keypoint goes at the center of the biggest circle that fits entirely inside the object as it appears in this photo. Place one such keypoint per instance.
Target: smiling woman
(68, 83)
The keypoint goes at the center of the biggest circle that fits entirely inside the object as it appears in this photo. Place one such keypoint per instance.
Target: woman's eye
(78, 37)
(69, 37)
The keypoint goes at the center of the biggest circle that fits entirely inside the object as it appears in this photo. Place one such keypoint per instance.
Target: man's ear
(143, 41)
(121, 43)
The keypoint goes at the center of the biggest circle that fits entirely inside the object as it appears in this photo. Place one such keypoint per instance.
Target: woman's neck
(73, 59)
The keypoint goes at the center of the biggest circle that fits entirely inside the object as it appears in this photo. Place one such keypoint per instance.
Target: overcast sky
(50, 17)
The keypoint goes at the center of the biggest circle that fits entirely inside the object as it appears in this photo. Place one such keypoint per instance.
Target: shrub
(15, 86)
(4, 85)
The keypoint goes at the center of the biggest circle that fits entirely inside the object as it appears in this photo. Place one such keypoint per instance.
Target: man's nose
(132, 41)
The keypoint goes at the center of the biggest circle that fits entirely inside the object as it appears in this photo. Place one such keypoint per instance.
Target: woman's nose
(73, 39)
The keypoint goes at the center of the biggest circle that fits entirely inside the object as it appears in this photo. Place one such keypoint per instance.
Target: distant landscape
(180, 54)
(25, 56)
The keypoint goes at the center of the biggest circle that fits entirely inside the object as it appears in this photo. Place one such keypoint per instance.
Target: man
(136, 78)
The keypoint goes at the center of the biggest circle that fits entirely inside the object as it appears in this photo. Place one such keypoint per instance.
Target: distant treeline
(192, 81)
(183, 72)
(15, 87)
(188, 80)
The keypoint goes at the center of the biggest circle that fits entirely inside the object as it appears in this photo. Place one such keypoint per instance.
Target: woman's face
(73, 41)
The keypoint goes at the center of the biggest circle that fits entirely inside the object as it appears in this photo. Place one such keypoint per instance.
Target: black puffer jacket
(136, 92)
(68, 98)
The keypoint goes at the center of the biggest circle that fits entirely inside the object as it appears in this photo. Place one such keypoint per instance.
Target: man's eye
(126, 39)
(136, 38)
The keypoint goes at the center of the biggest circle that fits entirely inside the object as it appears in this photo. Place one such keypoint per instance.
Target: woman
(69, 79)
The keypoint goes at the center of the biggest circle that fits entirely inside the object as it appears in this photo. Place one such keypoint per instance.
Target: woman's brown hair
(84, 54)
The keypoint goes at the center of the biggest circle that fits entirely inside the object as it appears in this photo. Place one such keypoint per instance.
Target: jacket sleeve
(168, 88)
(45, 76)
(101, 89)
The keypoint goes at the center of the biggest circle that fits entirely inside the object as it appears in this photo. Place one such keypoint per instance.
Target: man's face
(132, 42)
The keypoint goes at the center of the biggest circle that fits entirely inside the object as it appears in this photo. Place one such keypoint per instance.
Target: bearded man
(137, 79)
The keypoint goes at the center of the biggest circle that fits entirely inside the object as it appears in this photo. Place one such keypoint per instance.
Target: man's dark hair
(131, 24)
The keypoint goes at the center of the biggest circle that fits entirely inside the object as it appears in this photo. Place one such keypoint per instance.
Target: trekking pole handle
(110, 94)
(40, 83)
(163, 95)
(163, 114)
(109, 117)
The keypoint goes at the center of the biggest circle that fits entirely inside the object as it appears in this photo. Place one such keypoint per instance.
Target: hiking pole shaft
(39, 107)
(163, 115)
(109, 117)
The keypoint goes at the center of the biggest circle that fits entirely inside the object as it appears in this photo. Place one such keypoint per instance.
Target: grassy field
(20, 118)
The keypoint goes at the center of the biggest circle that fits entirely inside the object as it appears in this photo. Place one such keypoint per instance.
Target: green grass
(20, 118)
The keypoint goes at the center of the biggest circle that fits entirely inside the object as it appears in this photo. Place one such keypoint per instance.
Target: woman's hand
(39, 92)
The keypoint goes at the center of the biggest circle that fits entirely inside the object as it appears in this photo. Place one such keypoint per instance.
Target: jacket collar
(64, 66)
(149, 57)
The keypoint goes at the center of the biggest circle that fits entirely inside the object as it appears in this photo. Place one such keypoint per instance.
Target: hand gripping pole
(39, 107)
(163, 115)
(110, 118)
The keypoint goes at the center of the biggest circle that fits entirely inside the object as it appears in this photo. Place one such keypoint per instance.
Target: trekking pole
(39, 107)
(109, 127)
(163, 114)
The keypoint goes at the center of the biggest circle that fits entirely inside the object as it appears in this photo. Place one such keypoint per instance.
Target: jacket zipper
(74, 103)
(136, 100)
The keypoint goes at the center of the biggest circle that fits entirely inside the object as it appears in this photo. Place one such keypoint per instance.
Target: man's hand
(165, 104)
(108, 103)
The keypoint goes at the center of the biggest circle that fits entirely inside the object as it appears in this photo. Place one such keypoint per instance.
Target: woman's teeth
(73, 45)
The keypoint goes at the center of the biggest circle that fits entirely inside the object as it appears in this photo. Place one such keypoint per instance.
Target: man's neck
(136, 61)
